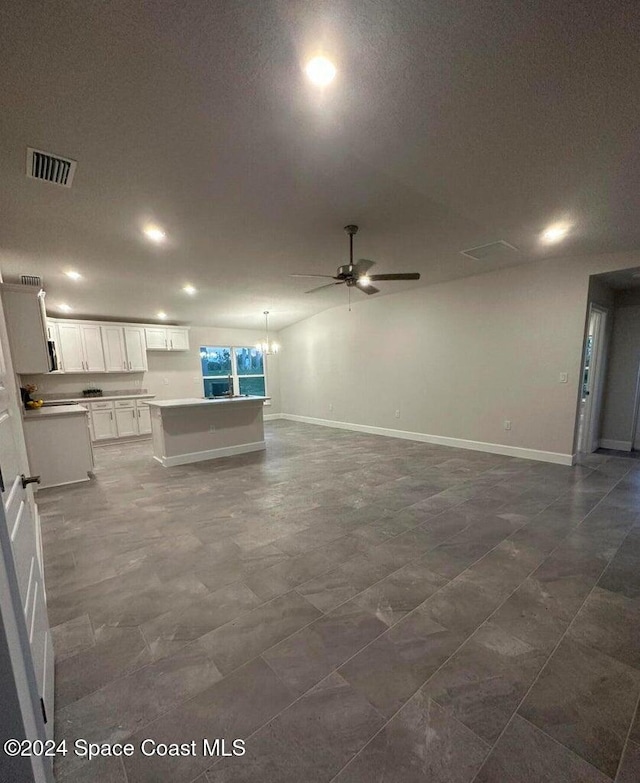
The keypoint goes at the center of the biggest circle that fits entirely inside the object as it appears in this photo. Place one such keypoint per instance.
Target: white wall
(456, 359)
(171, 375)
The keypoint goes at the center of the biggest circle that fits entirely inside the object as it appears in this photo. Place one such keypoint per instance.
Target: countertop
(54, 410)
(48, 403)
(193, 401)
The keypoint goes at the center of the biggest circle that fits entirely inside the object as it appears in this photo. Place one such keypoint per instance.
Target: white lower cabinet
(126, 422)
(111, 419)
(144, 418)
(103, 424)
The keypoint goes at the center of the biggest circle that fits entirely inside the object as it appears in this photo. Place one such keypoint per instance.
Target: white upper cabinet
(93, 350)
(26, 326)
(156, 338)
(136, 348)
(172, 338)
(114, 349)
(178, 339)
(124, 348)
(81, 348)
(71, 355)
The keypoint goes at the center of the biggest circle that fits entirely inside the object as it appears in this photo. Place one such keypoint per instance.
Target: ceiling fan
(358, 274)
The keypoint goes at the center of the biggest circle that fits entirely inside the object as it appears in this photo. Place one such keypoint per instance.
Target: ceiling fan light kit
(357, 275)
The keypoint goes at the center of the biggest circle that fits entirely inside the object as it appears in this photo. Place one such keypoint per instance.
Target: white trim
(201, 456)
(272, 416)
(618, 445)
(458, 443)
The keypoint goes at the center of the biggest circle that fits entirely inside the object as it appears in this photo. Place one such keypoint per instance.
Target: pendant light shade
(268, 347)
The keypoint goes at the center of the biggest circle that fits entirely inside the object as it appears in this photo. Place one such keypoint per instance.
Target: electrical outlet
(507, 424)
(397, 414)
(212, 428)
(165, 381)
(564, 377)
(330, 406)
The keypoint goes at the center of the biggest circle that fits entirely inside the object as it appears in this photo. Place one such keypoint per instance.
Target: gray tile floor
(357, 609)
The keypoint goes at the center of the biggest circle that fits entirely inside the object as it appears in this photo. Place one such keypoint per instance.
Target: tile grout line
(636, 715)
(490, 747)
(562, 638)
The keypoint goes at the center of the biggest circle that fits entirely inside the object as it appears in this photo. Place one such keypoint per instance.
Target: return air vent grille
(494, 251)
(34, 280)
(50, 168)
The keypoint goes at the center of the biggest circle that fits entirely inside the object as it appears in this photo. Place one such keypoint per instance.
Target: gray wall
(456, 359)
(622, 375)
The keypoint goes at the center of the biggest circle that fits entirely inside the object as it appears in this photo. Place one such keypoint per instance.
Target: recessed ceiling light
(154, 233)
(189, 289)
(161, 315)
(555, 233)
(320, 71)
(73, 275)
(64, 307)
(364, 280)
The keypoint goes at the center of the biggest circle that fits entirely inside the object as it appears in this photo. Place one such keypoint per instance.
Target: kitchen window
(243, 365)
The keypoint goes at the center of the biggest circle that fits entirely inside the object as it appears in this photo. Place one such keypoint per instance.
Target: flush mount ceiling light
(267, 346)
(64, 308)
(162, 315)
(320, 71)
(189, 289)
(73, 275)
(154, 233)
(555, 233)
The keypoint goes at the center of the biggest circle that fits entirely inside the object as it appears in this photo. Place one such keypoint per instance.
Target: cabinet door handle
(130, 366)
(172, 345)
(111, 415)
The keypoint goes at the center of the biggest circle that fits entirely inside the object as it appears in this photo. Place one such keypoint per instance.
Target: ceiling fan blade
(362, 266)
(331, 276)
(320, 287)
(401, 276)
(367, 289)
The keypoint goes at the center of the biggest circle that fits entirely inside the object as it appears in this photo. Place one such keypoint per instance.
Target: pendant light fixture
(268, 347)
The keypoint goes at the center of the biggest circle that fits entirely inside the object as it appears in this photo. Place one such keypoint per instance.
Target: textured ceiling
(449, 125)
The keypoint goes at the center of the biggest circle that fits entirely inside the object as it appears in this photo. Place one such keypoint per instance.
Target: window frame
(235, 376)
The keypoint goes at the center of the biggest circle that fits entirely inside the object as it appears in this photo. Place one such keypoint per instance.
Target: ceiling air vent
(34, 280)
(494, 251)
(50, 168)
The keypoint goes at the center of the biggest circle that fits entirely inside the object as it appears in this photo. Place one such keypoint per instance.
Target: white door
(104, 425)
(156, 338)
(114, 353)
(144, 418)
(178, 339)
(22, 593)
(126, 422)
(136, 348)
(592, 381)
(71, 353)
(93, 350)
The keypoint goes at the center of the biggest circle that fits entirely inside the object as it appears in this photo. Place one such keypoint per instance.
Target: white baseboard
(201, 456)
(272, 416)
(619, 445)
(458, 443)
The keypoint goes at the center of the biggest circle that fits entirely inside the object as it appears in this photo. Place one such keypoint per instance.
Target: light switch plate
(564, 377)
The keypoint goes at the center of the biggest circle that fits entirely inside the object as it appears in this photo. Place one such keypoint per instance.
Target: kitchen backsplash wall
(171, 375)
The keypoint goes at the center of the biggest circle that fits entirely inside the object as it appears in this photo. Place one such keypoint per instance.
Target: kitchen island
(194, 430)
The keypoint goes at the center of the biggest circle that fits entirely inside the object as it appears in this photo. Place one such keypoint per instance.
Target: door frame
(588, 440)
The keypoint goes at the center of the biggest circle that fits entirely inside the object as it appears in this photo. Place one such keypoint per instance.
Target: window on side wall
(239, 367)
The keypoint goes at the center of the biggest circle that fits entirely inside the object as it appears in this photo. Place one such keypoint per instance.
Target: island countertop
(189, 402)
